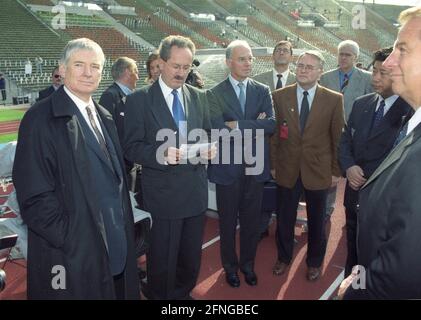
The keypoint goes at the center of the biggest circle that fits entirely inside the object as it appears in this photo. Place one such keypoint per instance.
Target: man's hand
(273, 173)
(231, 124)
(335, 181)
(355, 176)
(261, 116)
(210, 153)
(173, 155)
(347, 282)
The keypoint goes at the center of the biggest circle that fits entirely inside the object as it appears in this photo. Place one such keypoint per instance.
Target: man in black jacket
(55, 84)
(373, 125)
(125, 74)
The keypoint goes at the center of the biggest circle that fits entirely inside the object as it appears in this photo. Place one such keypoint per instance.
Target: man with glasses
(56, 83)
(175, 192)
(310, 119)
(280, 76)
(240, 106)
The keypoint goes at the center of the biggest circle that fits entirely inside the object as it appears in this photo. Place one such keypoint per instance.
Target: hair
(235, 44)
(316, 54)
(120, 66)
(81, 44)
(355, 48)
(152, 57)
(382, 54)
(178, 41)
(408, 14)
(283, 43)
(54, 70)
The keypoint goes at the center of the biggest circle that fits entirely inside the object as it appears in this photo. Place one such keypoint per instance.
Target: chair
(6, 245)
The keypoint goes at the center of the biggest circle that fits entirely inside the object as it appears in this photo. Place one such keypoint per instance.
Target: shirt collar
(235, 82)
(284, 74)
(311, 91)
(79, 102)
(126, 90)
(349, 74)
(166, 90)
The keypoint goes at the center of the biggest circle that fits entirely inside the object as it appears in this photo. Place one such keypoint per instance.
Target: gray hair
(178, 41)
(235, 44)
(316, 54)
(81, 44)
(355, 48)
(120, 66)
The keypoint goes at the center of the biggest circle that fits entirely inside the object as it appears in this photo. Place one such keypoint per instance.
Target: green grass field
(4, 138)
(11, 115)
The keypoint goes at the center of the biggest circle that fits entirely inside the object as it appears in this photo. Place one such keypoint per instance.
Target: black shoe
(264, 234)
(250, 277)
(232, 279)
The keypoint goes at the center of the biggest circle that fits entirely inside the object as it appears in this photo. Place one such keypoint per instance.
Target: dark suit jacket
(58, 198)
(112, 99)
(45, 93)
(366, 147)
(313, 155)
(170, 191)
(225, 106)
(389, 224)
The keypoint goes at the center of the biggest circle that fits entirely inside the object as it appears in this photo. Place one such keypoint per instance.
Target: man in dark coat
(55, 84)
(71, 188)
(125, 74)
(389, 219)
(369, 135)
(174, 192)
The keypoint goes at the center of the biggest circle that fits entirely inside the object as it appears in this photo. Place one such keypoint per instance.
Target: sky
(395, 2)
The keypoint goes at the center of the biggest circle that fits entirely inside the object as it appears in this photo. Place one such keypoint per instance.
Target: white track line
(212, 241)
(333, 286)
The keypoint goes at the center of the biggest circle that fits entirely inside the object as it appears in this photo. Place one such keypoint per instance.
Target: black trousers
(351, 203)
(173, 260)
(316, 205)
(3, 94)
(241, 200)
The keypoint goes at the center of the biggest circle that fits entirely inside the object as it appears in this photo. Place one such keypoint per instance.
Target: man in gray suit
(352, 82)
(347, 78)
(389, 219)
(280, 76)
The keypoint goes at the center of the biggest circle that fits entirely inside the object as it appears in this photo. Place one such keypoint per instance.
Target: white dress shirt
(169, 97)
(388, 102)
(81, 105)
(284, 78)
(310, 96)
(414, 121)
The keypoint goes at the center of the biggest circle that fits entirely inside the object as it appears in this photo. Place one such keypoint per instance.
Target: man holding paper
(175, 190)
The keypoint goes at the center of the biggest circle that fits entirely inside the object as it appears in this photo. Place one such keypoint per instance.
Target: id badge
(283, 130)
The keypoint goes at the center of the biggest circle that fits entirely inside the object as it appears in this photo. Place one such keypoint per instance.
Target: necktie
(378, 116)
(177, 109)
(242, 97)
(345, 83)
(401, 135)
(97, 133)
(305, 110)
(279, 83)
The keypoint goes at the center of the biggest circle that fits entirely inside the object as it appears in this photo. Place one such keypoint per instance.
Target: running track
(8, 127)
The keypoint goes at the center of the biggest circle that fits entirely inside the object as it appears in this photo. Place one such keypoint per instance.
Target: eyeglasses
(57, 76)
(282, 50)
(307, 67)
(246, 59)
